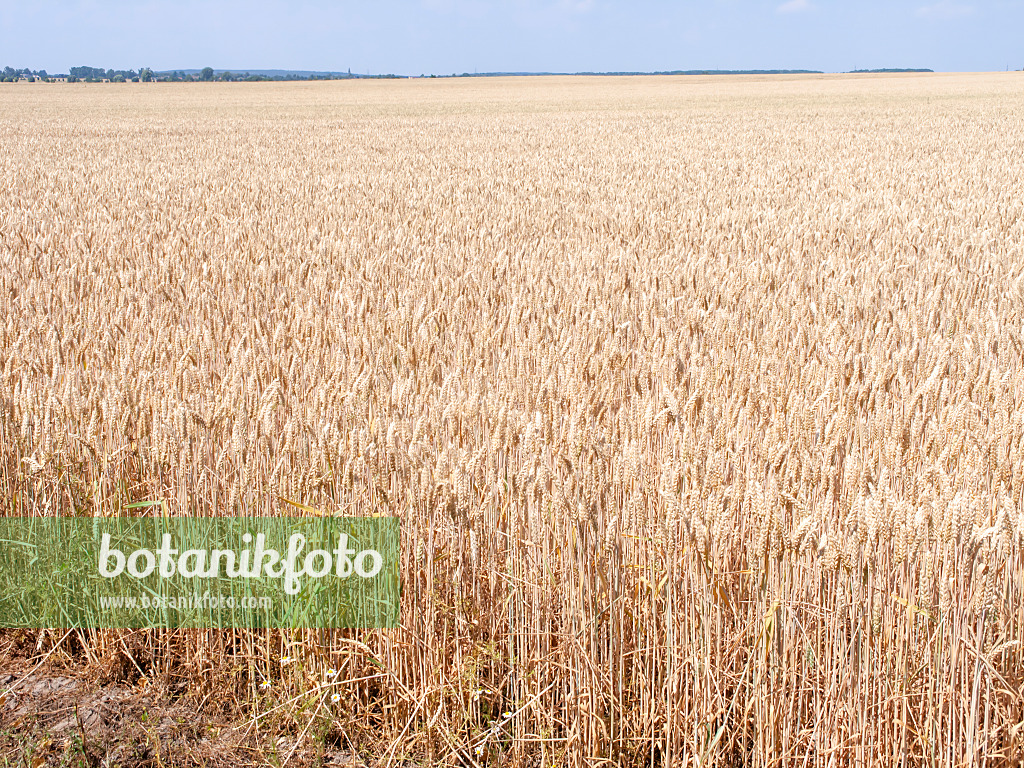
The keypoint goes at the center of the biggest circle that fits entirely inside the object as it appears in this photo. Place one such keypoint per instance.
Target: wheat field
(699, 399)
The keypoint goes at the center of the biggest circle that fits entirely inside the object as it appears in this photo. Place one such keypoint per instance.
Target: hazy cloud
(794, 6)
(945, 9)
(475, 9)
(577, 6)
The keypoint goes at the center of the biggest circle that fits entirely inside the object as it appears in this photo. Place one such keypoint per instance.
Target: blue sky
(445, 36)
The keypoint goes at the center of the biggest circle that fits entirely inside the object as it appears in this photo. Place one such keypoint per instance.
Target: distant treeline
(637, 74)
(85, 74)
(145, 74)
(716, 72)
(884, 71)
(98, 73)
(208, 74)
(10, 74)
(225, 75)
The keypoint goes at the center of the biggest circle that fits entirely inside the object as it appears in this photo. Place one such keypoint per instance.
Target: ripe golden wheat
(699, 399)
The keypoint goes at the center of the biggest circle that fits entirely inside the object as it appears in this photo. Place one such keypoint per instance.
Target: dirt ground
(104, 713)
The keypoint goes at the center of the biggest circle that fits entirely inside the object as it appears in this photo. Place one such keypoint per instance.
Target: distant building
(26, 78)
(59, 78)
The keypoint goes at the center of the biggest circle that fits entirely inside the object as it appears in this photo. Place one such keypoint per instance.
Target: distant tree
(118, 78)
(207, 74)
(88, 73)
(146, 75)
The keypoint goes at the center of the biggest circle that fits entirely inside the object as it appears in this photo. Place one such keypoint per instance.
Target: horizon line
(347, 73)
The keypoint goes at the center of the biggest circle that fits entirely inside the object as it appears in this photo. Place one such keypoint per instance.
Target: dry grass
(700, 399)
